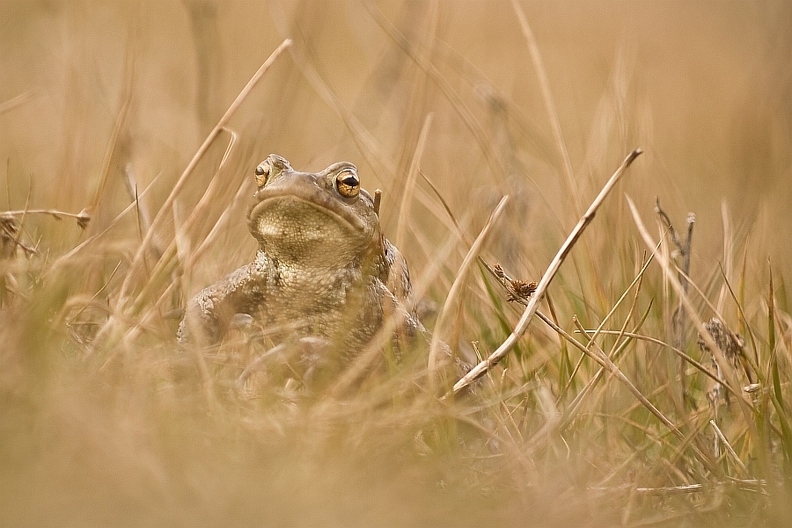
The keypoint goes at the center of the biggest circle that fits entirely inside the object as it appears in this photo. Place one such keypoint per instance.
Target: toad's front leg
(209, 313)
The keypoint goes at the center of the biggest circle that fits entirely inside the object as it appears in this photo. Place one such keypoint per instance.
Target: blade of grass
(752, 362)
(636, 281)
(117, 135)
(771, 340)
(566, 372)
(20, 99)
(409, 186)
(704, 370)
(170, 256)
(775, 376)
(575, 406)
(547, 95)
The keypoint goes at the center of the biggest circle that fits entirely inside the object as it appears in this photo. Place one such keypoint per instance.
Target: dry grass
(600, 414)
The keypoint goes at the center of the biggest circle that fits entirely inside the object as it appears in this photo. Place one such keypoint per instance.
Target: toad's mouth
(304, 206)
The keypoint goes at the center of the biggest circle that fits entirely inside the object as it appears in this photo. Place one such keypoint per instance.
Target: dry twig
(83, 217)
(679, 318)
(522, 325)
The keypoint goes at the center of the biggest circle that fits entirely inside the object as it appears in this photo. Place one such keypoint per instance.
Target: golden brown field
(109, 116)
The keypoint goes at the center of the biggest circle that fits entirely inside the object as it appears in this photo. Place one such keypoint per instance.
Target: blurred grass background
(103, 100)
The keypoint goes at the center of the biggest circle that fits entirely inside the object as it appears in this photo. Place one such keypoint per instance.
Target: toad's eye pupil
(260, 170)
(350, 179)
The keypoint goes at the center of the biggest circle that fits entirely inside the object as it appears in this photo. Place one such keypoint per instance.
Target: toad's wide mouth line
(314, 198)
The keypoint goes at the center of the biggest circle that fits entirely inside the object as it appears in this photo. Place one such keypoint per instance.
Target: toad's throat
(292, 229)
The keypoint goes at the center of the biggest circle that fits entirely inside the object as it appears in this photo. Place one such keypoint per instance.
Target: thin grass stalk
(775, 376)
(681, 353)
(771, 340)
(409, 186)
(547, 95)
(603, 361)
(98, 236)
(170, 257)
(217, 228)
(436, 349)
(115, 135)
(601, 326)
(369, 147)
(18, 100)
(729, 449)
(575, 405)
(753, 362)
(565, 364)
(727, 265)
(419, 56)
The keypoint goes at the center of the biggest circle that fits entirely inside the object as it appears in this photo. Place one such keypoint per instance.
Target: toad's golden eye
(348, 183)
(262, 173)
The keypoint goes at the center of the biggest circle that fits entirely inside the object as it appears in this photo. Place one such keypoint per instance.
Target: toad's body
(323, 268)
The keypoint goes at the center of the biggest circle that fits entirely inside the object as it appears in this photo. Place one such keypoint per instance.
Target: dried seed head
(522, 289)
(731, 344)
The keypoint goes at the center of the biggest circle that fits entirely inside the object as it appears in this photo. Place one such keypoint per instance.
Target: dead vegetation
(650, 389)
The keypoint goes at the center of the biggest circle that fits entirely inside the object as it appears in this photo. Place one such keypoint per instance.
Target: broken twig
(522, 325)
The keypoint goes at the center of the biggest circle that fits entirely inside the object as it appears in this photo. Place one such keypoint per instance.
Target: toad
(323, 270)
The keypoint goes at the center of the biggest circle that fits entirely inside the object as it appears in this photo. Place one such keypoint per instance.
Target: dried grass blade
(409, 186)
(730, 449)
(435, 349)
(164, 212)
(20, 99)
(636, 281)
(116, 135)
(171, 256)
(771, 338)
(421, 58)
(95, 237)
(775, 375)
(547, 95)
(704, 370)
